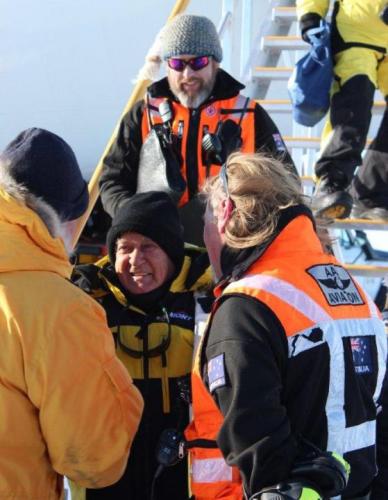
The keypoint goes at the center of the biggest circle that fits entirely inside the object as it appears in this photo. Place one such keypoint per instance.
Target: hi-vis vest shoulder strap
(240, 109)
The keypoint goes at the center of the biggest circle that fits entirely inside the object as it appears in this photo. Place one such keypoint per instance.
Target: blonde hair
(260, 187)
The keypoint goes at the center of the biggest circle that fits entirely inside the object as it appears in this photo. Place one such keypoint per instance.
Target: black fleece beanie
(154, 215)
(46, 165)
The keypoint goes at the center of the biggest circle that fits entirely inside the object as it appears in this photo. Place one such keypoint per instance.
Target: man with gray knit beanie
(199, 111)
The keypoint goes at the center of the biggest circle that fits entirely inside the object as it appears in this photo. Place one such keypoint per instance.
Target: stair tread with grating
(284, 105)
(367, 270)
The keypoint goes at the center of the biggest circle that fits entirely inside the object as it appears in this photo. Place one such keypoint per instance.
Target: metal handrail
(137, 93)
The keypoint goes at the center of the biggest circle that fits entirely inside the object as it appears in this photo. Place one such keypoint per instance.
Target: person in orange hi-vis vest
(201, 110)
(290, 371)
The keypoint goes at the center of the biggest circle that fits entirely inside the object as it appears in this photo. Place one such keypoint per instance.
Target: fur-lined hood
(29, 230)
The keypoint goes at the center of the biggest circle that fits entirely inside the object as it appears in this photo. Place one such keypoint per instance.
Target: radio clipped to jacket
(218, 146)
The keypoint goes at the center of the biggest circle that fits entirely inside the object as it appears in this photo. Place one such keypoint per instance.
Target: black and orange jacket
(293, 348)
(119, 176)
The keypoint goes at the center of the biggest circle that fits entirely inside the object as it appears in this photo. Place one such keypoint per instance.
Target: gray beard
(193, 101)
(198, 99)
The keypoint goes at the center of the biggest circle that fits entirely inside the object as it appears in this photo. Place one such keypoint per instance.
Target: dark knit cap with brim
(154, 215)
(46, 165)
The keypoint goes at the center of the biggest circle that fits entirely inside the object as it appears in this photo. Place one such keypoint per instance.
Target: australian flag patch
(279, 143)
(216, 372)
(361, 352)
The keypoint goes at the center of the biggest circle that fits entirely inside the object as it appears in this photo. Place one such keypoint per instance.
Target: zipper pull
(180, 129)
(182, 449)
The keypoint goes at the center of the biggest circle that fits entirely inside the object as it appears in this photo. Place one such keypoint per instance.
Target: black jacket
(259, 375)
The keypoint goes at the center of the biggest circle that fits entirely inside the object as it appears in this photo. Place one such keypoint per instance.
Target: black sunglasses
(196, 63)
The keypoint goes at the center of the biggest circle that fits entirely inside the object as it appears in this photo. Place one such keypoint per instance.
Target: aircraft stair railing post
(225, 31)
(137, 93)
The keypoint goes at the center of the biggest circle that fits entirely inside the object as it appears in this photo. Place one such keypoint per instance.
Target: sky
(69, 65)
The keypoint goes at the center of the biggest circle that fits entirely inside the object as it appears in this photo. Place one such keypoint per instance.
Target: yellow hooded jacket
(358, 21)
(67, 405)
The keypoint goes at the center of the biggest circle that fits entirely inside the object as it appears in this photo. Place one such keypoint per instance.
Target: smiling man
(207, 119)
(149, 287)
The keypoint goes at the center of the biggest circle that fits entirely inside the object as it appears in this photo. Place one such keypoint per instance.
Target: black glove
(307, 22)
(287, 491)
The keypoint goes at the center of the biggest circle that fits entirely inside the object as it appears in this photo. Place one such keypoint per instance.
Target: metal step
(272, 73)
(360, 224)
(287, 15)
(306, 142)
(284, 105)
(284, 15)
(278, 43)
(367, 270)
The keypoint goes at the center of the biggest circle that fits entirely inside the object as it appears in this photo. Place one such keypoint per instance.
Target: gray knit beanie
(191, 35)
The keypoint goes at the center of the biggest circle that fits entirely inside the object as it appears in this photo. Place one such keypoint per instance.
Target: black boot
(330, 199)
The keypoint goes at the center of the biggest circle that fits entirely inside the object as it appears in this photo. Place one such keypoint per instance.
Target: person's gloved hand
(293, 490)
(307, 22)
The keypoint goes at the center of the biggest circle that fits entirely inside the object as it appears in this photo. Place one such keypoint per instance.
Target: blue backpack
(310, 82)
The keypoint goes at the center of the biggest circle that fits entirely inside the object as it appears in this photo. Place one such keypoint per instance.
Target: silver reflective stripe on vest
(210, 470)
(341, 439)
(295, 297)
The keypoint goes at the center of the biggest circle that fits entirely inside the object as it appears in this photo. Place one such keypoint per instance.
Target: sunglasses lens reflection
(196, 64)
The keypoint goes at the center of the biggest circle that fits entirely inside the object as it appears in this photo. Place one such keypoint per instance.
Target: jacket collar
(235, 263)
(225, 87)
(28, 245)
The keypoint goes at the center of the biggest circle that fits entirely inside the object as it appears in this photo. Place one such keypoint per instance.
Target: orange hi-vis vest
(240, 109)
(304, 293)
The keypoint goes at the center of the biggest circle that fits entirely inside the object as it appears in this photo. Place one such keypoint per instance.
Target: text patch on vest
(336, 284)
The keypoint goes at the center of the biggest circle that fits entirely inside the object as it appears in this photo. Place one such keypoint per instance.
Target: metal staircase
(264, 68)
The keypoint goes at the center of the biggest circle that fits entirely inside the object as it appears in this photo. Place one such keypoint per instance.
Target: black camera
(384, 14)
(171, 447)
(218, 146)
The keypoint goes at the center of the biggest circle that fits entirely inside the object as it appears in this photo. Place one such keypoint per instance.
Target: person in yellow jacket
(205, 116)
(359, 42)
(67, 405)
(288, 376)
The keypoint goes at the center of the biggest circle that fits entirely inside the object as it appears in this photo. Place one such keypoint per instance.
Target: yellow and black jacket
(156, 346)
(356, 22)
